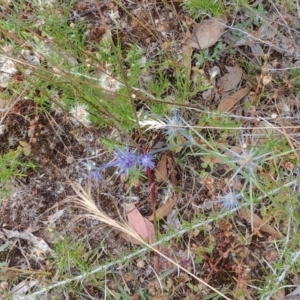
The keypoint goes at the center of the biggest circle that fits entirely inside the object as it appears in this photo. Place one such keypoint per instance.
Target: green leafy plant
(206, 55)
(12, 166)
(199, 7)
(2, 248)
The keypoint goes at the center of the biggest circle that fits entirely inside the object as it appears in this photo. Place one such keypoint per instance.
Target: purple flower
(147, 161)
(93, 171)
(89, 165)
(125, 161)
(96, 176)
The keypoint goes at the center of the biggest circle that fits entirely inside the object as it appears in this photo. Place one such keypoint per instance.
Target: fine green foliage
(205, 55)
(12, 166)
(2, 248)
(197, 8)
(70, 256)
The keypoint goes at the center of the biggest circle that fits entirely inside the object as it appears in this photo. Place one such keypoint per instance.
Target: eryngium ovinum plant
(244, 160)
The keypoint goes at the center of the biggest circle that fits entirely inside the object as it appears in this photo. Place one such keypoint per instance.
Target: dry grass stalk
(85, 201)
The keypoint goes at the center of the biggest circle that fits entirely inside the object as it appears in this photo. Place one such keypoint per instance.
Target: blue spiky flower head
(93, 171)
(230, 200)
(125, 160)
(248, 160)
(147, 161)
(175, 127)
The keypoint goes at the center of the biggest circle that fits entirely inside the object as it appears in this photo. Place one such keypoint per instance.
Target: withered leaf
(130, 239)
(161, 171)
(207, 33)
(230, 80)
(236, 149)
(259, 223)
(164, 210)
(228, 103)
(141, 225)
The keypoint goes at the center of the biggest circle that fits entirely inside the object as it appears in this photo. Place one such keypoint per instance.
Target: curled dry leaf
(228, 103)
(173, 172)
(187, 52)
(4, 103)
(130, 239)
(236, 149)
(266, 80)
(267, 31)
(210, 185)
(295, 295)
(230, 80)
(296, 281)
(259, 223)
(51, 219)
(161, 171)
(164, 210)
(280, 295)
(173, 220)
(20, 290)
(207, 33)
(143, 227)
(40, 248)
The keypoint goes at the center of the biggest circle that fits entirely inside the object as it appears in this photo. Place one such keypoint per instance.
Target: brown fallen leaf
(236, 149)
(280, 295)
(187, 52)
(207, 33)
(173, 220)
(164, 210)
(4, 103)
(230, 80)
(228, 103)
(260, 224)
(161, 171)
(130, 239)
(172, 171)
(295, 295)
(143, 227)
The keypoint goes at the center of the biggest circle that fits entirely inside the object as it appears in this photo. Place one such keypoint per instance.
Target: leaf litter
(230, 101)
(164, 210)
(259, 224)
(207, 33)
(141, 225)
(230, 80)
(229, 256)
